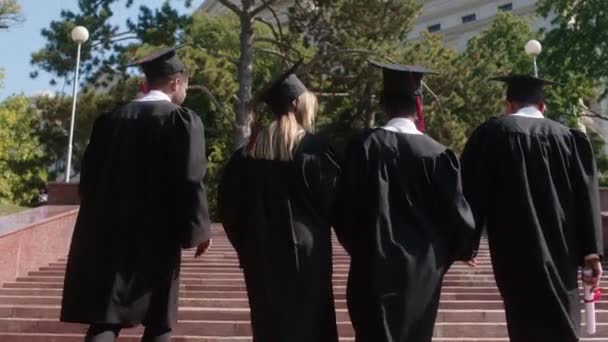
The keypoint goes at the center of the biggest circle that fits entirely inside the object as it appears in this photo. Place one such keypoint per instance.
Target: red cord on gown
(253, 139)
(420, 114)
(144, 87)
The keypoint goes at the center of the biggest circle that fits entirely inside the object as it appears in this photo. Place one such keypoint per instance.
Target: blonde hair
(279, 140)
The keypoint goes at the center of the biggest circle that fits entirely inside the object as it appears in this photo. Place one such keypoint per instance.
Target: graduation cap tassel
(253, 139)
(144, 87)
(420, 114)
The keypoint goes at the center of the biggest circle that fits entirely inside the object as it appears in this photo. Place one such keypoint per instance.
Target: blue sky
(19, 42)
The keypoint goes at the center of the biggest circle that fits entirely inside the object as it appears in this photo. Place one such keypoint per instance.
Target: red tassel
(144, 87)
(253, 139)
(420, 114)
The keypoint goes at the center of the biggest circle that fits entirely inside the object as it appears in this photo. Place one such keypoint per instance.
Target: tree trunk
(243, 106)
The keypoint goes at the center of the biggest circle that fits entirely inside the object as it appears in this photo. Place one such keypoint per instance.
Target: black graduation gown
(533, 183)
(276, 215)
(142, 201)
(403, 219)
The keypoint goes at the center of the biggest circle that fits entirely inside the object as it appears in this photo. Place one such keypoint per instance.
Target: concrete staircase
(214, 308)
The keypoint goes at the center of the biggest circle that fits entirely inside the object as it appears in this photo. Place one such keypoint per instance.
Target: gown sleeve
(93, 158)
(321, 174)
(453, 210)
(229, 198)
(350, 193)
(586, 189)
(190, 167)
(477, 180)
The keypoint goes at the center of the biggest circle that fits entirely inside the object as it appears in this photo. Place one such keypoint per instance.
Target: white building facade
(456, 20)
(460, 20)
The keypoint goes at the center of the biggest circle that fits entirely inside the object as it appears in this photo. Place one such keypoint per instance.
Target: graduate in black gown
(402, 217)
(533, 183)
(142, 201)
(275, 199)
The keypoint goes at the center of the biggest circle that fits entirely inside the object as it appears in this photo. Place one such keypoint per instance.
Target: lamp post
(79, 35)
(533, 49)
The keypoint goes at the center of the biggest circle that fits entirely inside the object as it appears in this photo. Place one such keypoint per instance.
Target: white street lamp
(533, 49)
(79, 35)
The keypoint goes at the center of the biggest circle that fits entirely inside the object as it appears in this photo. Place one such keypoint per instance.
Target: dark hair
(522, 104)
(399, 105)
(161, 80)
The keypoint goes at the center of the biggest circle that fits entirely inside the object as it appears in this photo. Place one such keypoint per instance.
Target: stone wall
(34, 238)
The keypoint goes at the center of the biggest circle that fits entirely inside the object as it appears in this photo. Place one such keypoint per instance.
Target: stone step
(30, 295)
(7, 337)
(193, 277)
(190, 282)
(243, 328)
(229, 285)
(339, 303)
(242, 314)
(477, 287)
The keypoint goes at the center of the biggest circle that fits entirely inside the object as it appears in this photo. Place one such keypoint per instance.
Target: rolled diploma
(589, 303)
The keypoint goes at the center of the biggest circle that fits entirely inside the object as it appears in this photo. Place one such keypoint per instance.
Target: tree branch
(276, 53)
(317, 59)
(209, 94)
(234, 8)
(283, 46)
(100, 42)
(220, 55)
(281, 37)
(276, 34)
(594, 116)
(265, 5)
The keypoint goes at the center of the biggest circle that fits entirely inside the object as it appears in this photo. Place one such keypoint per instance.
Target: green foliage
(9, 13)
(8, 209)
(55, 114)
(105, 53)
(22, 162)
(497, 51)
(600, 155)
(343, 35)
(578, 43)
(336, 39)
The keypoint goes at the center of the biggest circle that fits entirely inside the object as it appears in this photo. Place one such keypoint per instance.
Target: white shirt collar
(154, 95)
(402, 125)
(530, 112)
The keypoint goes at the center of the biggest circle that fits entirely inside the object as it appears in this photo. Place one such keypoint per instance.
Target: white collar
(402, 125)
(154, 95)
(530, 112)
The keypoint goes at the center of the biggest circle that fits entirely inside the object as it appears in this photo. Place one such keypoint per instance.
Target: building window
(434, 28)
(506, 7)
(469, 18)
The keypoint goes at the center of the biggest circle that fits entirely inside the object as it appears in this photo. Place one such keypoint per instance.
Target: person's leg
(102, 333)
(154, 334)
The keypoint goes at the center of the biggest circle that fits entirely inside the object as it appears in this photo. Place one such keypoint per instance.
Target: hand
(471, 263)
(596, 266)
(202, 248)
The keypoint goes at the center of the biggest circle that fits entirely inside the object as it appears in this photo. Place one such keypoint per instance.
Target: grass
(7, 209)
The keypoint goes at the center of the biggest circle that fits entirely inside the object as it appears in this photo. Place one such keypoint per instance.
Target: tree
(9, 14)
(110, 47)
(211, 58)
(247, 12)
(577, 44)
(55, 115)
(22, 162)
(341, 37)
(497, 51)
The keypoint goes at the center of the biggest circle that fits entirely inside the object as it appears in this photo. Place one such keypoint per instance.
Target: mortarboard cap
(161, 63)
(524, 88)
(402, 88)
(282, 90)
(401, 80)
